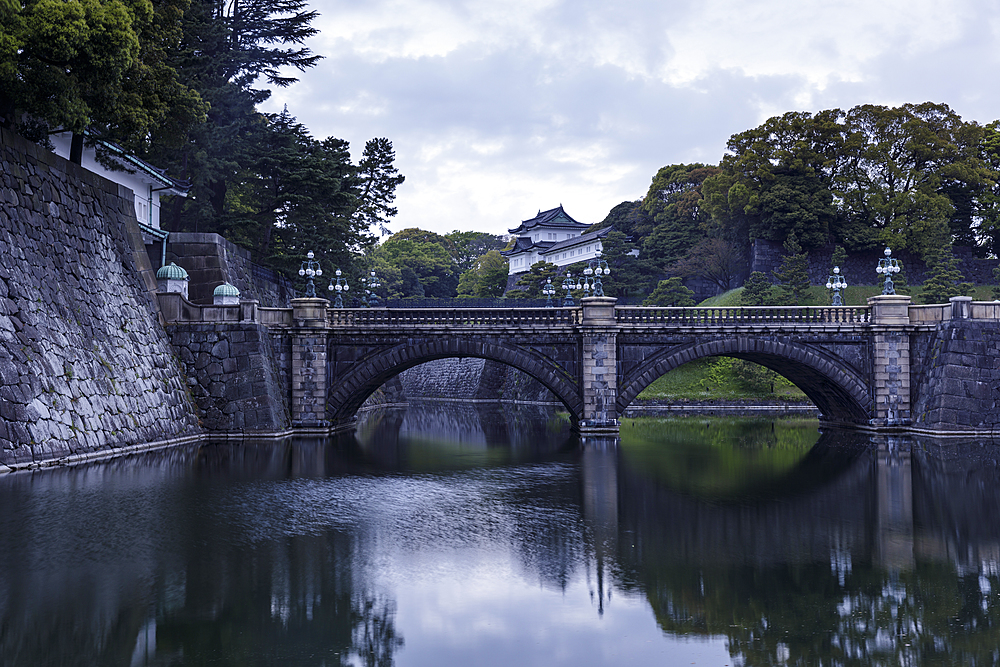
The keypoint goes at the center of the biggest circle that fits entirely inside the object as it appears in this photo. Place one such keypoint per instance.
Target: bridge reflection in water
(768, 540)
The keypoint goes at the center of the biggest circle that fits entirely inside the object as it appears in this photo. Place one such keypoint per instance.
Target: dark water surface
(469, 536)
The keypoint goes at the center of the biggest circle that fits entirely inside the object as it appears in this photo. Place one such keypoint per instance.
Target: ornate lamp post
(888, 266)
(373, 284)
(310, 268)
(569, 286)
(592, 276)
(549, 290)
(836, 283)
(340, 286)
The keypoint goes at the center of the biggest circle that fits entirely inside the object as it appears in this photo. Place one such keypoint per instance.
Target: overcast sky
(497, 109)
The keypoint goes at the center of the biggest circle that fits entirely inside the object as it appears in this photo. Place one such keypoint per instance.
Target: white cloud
(499, 109)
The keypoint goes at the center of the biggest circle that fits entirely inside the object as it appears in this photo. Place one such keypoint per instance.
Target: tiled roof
(524, 243)
(555, 217)
(582, 239)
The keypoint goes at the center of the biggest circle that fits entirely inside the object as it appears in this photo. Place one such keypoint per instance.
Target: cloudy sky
(497, 109)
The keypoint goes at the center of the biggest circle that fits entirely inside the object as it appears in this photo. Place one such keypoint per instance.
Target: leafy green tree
(486, 279)
(674, 200)
(670, 292)
(944, 280)
(897, 167)
(423, 258)
(996, 283)
(96, 65)
(470, 246)
(757, 290)
(629, 218)
(783, 169)
(839, 257)
(630, 275)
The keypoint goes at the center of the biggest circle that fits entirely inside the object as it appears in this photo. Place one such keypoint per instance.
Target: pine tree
(793, 275)
(944, 279)
(756, 290)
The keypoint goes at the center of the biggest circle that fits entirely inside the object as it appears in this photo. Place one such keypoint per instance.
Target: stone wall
(211, 260)
(471, 378)
(85, 366)
(232, 376)
(959, 382)
(859, 269)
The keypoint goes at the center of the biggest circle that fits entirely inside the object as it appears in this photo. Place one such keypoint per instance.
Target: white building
(552, 236)
(145, 181)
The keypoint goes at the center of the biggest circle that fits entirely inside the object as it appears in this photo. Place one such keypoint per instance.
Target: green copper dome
(171, 272)
(225, 289)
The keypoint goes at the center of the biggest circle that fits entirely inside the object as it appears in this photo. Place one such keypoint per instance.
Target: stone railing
(176, 308)
(738, 316)
(937, 312)
(539, 318)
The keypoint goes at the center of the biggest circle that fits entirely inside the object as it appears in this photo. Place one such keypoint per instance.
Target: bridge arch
(840, 393)
(349, 392)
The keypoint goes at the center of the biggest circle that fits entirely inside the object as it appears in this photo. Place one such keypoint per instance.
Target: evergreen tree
(996, 281)
(839, 257)
(670, 292)
(379, 180)
(793, 276)
(529, 286)
(757, 290)
(944, 280)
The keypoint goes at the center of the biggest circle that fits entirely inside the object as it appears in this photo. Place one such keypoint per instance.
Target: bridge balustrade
(742, 315)
(543, 318)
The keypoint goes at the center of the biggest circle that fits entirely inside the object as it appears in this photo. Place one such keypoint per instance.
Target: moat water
(472, 536)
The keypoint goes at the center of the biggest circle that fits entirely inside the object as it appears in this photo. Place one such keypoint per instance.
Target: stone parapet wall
(85, 366)
(234, 376)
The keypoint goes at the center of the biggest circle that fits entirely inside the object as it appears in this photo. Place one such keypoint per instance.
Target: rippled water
(467, 536)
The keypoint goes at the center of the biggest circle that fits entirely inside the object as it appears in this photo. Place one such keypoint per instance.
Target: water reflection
(495, 537)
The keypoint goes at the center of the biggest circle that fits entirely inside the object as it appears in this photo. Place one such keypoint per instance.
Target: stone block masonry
(959, 385)
(85, 366)
(232, 376)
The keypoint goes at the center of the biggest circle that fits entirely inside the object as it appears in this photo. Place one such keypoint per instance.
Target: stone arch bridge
(868, 366)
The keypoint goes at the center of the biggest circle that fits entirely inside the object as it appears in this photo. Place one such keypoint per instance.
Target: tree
(426, 265)
(944, 280)
(529, 286)
(96, 65)
(629, 218)
(487, 278)
(379, 180)
(670, 292)
(470, 246)
(757, 290)
(839, 256)
(674, 201)
(226, 47)
(793, 276)
(630, 275)
(896, 172)
(713, 259)
(783, 171)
